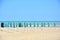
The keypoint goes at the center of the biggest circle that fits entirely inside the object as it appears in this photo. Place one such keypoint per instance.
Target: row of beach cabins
(29, 24)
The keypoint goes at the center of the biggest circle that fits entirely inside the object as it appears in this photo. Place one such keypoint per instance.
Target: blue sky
(29, 10)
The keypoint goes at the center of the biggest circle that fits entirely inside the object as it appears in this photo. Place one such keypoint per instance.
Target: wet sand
(30, 33)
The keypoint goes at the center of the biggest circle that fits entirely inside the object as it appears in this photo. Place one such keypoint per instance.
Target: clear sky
(29, 10)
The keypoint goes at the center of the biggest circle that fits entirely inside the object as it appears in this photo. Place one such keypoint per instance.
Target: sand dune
(30, 33)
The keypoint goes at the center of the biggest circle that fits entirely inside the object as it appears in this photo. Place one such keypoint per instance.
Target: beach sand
(48, 33)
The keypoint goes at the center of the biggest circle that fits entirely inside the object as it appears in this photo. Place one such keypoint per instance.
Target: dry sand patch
(29, 33)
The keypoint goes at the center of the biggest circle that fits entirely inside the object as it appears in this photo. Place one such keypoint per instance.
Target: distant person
(20, 25)
(2, 25)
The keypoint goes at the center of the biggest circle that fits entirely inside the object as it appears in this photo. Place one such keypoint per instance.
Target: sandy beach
(52, 33)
